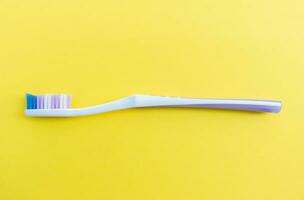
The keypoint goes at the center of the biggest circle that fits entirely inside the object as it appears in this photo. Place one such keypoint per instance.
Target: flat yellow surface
(99, 50)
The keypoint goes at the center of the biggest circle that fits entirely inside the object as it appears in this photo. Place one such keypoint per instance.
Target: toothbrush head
(48, 101)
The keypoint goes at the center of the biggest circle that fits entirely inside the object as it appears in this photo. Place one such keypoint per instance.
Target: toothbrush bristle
(48, 101)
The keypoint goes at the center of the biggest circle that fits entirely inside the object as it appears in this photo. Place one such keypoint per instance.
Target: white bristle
(44, 102)
(65, 101)
(49, 101)
(61, 101)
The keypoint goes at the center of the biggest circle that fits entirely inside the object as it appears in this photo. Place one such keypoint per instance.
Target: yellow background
(102, 50)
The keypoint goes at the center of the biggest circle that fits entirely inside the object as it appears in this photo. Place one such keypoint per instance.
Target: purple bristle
(42, 102)
(57, 101)
(69, 101)
(52, 102)
(38, 102)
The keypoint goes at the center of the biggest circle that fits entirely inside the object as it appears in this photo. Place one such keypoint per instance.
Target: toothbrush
(59, 105)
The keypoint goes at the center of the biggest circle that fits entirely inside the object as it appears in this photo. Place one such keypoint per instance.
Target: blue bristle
(28, 101)
(34, 102)
(31, 101)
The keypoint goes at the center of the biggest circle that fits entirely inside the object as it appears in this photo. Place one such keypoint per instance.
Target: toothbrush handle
(233, 104)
